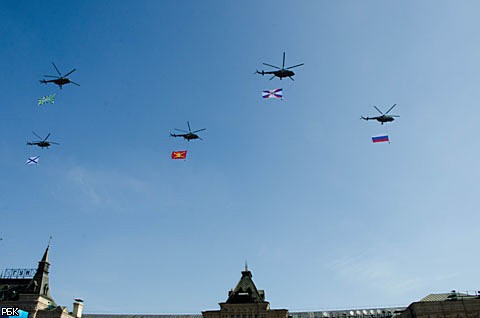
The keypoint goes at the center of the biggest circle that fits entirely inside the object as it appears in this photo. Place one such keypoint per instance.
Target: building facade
(29, 290)
(451, 305)
(32, 294)
(246, 301)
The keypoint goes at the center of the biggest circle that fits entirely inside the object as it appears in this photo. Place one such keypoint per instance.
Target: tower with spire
(246, 301)
(32, 294)
(39, 285)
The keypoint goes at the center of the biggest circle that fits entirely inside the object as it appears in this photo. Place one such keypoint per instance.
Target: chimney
(77, 309)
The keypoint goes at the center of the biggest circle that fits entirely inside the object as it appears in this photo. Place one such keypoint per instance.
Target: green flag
(47, 99)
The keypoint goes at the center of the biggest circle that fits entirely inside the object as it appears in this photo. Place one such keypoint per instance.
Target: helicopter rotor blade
(37, 135)
(393, 115)
(390, 109)
(283, 64)
(46, 137)
(272, 66)
(57, 69)
(199, 130)
(53, 143)
(51, 76)
(291, 78)
(74, 83)
(272, 77)
(70, 72)
(378, 110)
(181, 130)
(294, 66)
(200, 138)
(189, 129)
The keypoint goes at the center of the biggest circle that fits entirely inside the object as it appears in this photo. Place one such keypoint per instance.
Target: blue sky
(325, 218)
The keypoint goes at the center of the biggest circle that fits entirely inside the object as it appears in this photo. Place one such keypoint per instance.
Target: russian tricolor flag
(380, 138)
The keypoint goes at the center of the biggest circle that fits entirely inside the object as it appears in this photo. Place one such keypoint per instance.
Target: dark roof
(447, 296)
(245, 291)
(382, 312)
(11, 288)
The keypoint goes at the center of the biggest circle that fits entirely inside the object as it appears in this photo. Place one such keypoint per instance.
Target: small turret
(77, 308)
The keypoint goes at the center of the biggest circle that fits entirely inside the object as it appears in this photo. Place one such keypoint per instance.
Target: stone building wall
(469, 308)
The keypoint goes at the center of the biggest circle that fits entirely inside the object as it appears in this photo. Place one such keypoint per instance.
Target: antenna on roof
(49, 240)
(246, 266)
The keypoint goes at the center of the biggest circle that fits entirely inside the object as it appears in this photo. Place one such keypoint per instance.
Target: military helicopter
(42, 143)
(384, 118)
(282, 72)
(188, 134)
(59, 80)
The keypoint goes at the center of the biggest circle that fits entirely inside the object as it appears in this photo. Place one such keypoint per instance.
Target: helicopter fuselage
(59, 81)
(280, 73)
(188, 136)
(283, 73)
(382, 119)
(385, 119)
(41, 144)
